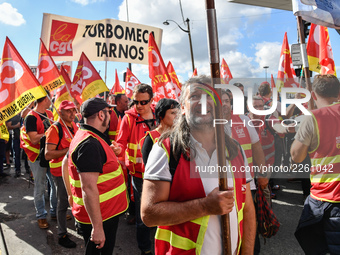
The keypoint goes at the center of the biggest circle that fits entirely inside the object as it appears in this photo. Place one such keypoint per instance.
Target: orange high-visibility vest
(32, 150)
(325, 159)
(188, 237)
(55, 164)
(111, 186)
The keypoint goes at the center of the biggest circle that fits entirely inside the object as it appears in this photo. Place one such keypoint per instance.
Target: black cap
(92, 106)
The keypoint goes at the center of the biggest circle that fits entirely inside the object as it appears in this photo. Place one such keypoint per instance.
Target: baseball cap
(92, 106)
(65, 105)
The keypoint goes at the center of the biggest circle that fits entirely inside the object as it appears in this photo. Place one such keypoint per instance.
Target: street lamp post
(265, 68)
(189, 34)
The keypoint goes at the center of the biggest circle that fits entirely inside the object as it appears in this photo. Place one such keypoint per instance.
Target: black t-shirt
(146, 149)
(31, 122)
(119, 114)
(90, 156)
(16, 131)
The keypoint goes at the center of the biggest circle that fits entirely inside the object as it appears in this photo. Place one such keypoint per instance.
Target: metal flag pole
(219, 129)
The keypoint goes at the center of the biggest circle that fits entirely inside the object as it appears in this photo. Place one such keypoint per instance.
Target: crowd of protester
(119, 156)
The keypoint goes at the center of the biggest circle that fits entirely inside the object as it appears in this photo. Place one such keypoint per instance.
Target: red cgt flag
(286, 75)
(62, 93)
(130, 82)
(174, 79)
(319, 51)
(47, 72)
(226, 75)
(272, 82)
(87, 82)
(160, 79)
(18, 85)
(194, 73)
(116, 89)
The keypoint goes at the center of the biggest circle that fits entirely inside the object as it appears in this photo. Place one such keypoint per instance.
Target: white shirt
(157, 168)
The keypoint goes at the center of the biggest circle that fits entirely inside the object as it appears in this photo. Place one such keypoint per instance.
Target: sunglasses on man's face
(109, 111)
(142, 102)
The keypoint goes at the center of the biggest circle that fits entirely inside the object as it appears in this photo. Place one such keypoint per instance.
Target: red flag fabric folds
(18, 85)
(130, 82)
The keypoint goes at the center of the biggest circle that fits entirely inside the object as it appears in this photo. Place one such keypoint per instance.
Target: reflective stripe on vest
(184, 243)
(325, 159)
(241, 134)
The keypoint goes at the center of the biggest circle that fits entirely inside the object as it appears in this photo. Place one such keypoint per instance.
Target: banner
(321, 12)
(101, 40)
(226, 75)
(18, 85)
(4, 134)
(87, 82)
(174, 79)
(160, 79)
(116, 89)
(319, 51)
(130, 82)
(286, 74)
(47, 72)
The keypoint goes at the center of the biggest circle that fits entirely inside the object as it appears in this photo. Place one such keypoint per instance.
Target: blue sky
(249, 37)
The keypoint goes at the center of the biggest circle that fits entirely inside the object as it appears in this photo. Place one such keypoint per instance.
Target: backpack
(43, 162)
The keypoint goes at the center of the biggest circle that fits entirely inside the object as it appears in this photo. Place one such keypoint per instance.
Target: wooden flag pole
(219, 129)
(305, 60)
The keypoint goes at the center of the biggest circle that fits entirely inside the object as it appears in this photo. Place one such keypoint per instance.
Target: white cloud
(268, 54)
(10, 15)
(86, 2)
(231, 20)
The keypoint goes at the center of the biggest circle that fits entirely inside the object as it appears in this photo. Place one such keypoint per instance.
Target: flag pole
(305, 60)
(105, 95)
(219, 129)
(69, 132)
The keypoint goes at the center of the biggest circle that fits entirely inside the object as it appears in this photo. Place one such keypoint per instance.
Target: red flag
(194, 73)
(272, 82)
(62, 93)
(47, 72)
(18, 85)
(286, 75)
(160, 79)
(319, 51)
(130, 82)
(87, 82)
(174, 79)
(226, 75)
(116, 89)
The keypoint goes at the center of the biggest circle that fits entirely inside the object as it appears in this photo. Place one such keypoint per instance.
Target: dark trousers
(2, 154)
(110, 229)
(16, 150)
(143, 232)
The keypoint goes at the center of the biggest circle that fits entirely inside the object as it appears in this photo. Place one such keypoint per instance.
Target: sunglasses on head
(142, 102)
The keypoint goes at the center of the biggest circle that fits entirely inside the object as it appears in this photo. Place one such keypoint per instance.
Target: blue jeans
(40, 174)
(143, 232)
(16, 150)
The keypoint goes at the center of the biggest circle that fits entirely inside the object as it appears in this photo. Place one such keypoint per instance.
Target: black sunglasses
(109, 111)
(142, 102)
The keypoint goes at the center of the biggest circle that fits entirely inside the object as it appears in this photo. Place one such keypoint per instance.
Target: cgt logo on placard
(62, 35)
